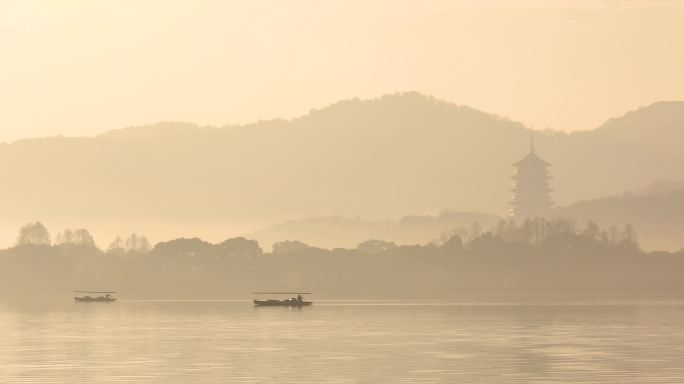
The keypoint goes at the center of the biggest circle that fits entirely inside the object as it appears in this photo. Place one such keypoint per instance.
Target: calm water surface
(341, 342)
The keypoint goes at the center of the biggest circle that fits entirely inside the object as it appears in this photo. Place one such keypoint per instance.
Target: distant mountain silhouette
(338, 232)
(378, 159)
(657, 213)
(623, 154)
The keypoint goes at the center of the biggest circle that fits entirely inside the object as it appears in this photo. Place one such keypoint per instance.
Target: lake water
(341, 342)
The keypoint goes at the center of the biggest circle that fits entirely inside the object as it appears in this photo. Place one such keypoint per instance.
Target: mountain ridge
(165, 127)
(322, 116)
(380, 159)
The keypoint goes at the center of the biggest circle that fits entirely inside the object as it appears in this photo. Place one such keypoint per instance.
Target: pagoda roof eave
(531, 158)
(524, 162)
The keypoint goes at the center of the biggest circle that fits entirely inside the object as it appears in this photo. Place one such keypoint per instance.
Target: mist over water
(338, 341)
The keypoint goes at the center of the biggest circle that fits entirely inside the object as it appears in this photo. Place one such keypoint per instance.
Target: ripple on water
(343, 342)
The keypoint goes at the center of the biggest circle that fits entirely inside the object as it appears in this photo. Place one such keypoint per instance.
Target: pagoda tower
(531, 191)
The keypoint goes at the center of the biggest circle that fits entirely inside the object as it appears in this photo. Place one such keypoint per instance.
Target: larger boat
(297, 301)
(105, 297)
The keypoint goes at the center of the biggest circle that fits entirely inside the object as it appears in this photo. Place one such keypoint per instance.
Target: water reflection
(340, 342)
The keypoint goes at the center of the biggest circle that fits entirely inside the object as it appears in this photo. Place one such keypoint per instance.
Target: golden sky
(81, 67)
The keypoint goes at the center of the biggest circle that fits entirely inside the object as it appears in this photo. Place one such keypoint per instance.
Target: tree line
(535, 256)
(530, 232)
(37, 234)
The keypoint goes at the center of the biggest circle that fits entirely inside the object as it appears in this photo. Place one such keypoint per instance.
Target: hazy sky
(83, 67)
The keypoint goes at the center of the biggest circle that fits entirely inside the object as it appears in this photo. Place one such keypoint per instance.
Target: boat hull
(93, 300)
(281, 303)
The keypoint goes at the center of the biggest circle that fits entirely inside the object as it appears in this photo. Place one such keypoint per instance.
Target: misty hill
(378, 159)
(340, 232)
(623, 154)
(657, 213)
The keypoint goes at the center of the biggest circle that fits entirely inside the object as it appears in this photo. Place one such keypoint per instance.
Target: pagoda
(531, 191)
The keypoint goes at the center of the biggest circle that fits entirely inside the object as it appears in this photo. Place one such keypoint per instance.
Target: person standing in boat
(300, 298)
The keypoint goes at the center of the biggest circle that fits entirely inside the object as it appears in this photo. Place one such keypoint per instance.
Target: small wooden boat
(291, 302)
(107, 298)
(282, 303)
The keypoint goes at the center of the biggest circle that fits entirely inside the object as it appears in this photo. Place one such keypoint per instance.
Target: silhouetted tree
(475, 231)
(80, 237)
(375, 246)
(33, 233)
(613, 235)
(184, 247)
(137, 244)
(66, 237)
(628, 237)
(239, 246)
(462, 232)
(454, 244)
(486, 242)
(592, 231)
(500, 230)
(289, 246)
(84, 238)
(117, 245)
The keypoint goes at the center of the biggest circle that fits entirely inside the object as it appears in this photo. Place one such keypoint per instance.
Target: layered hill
(656, 213)
(334, 232)
(379, 159)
